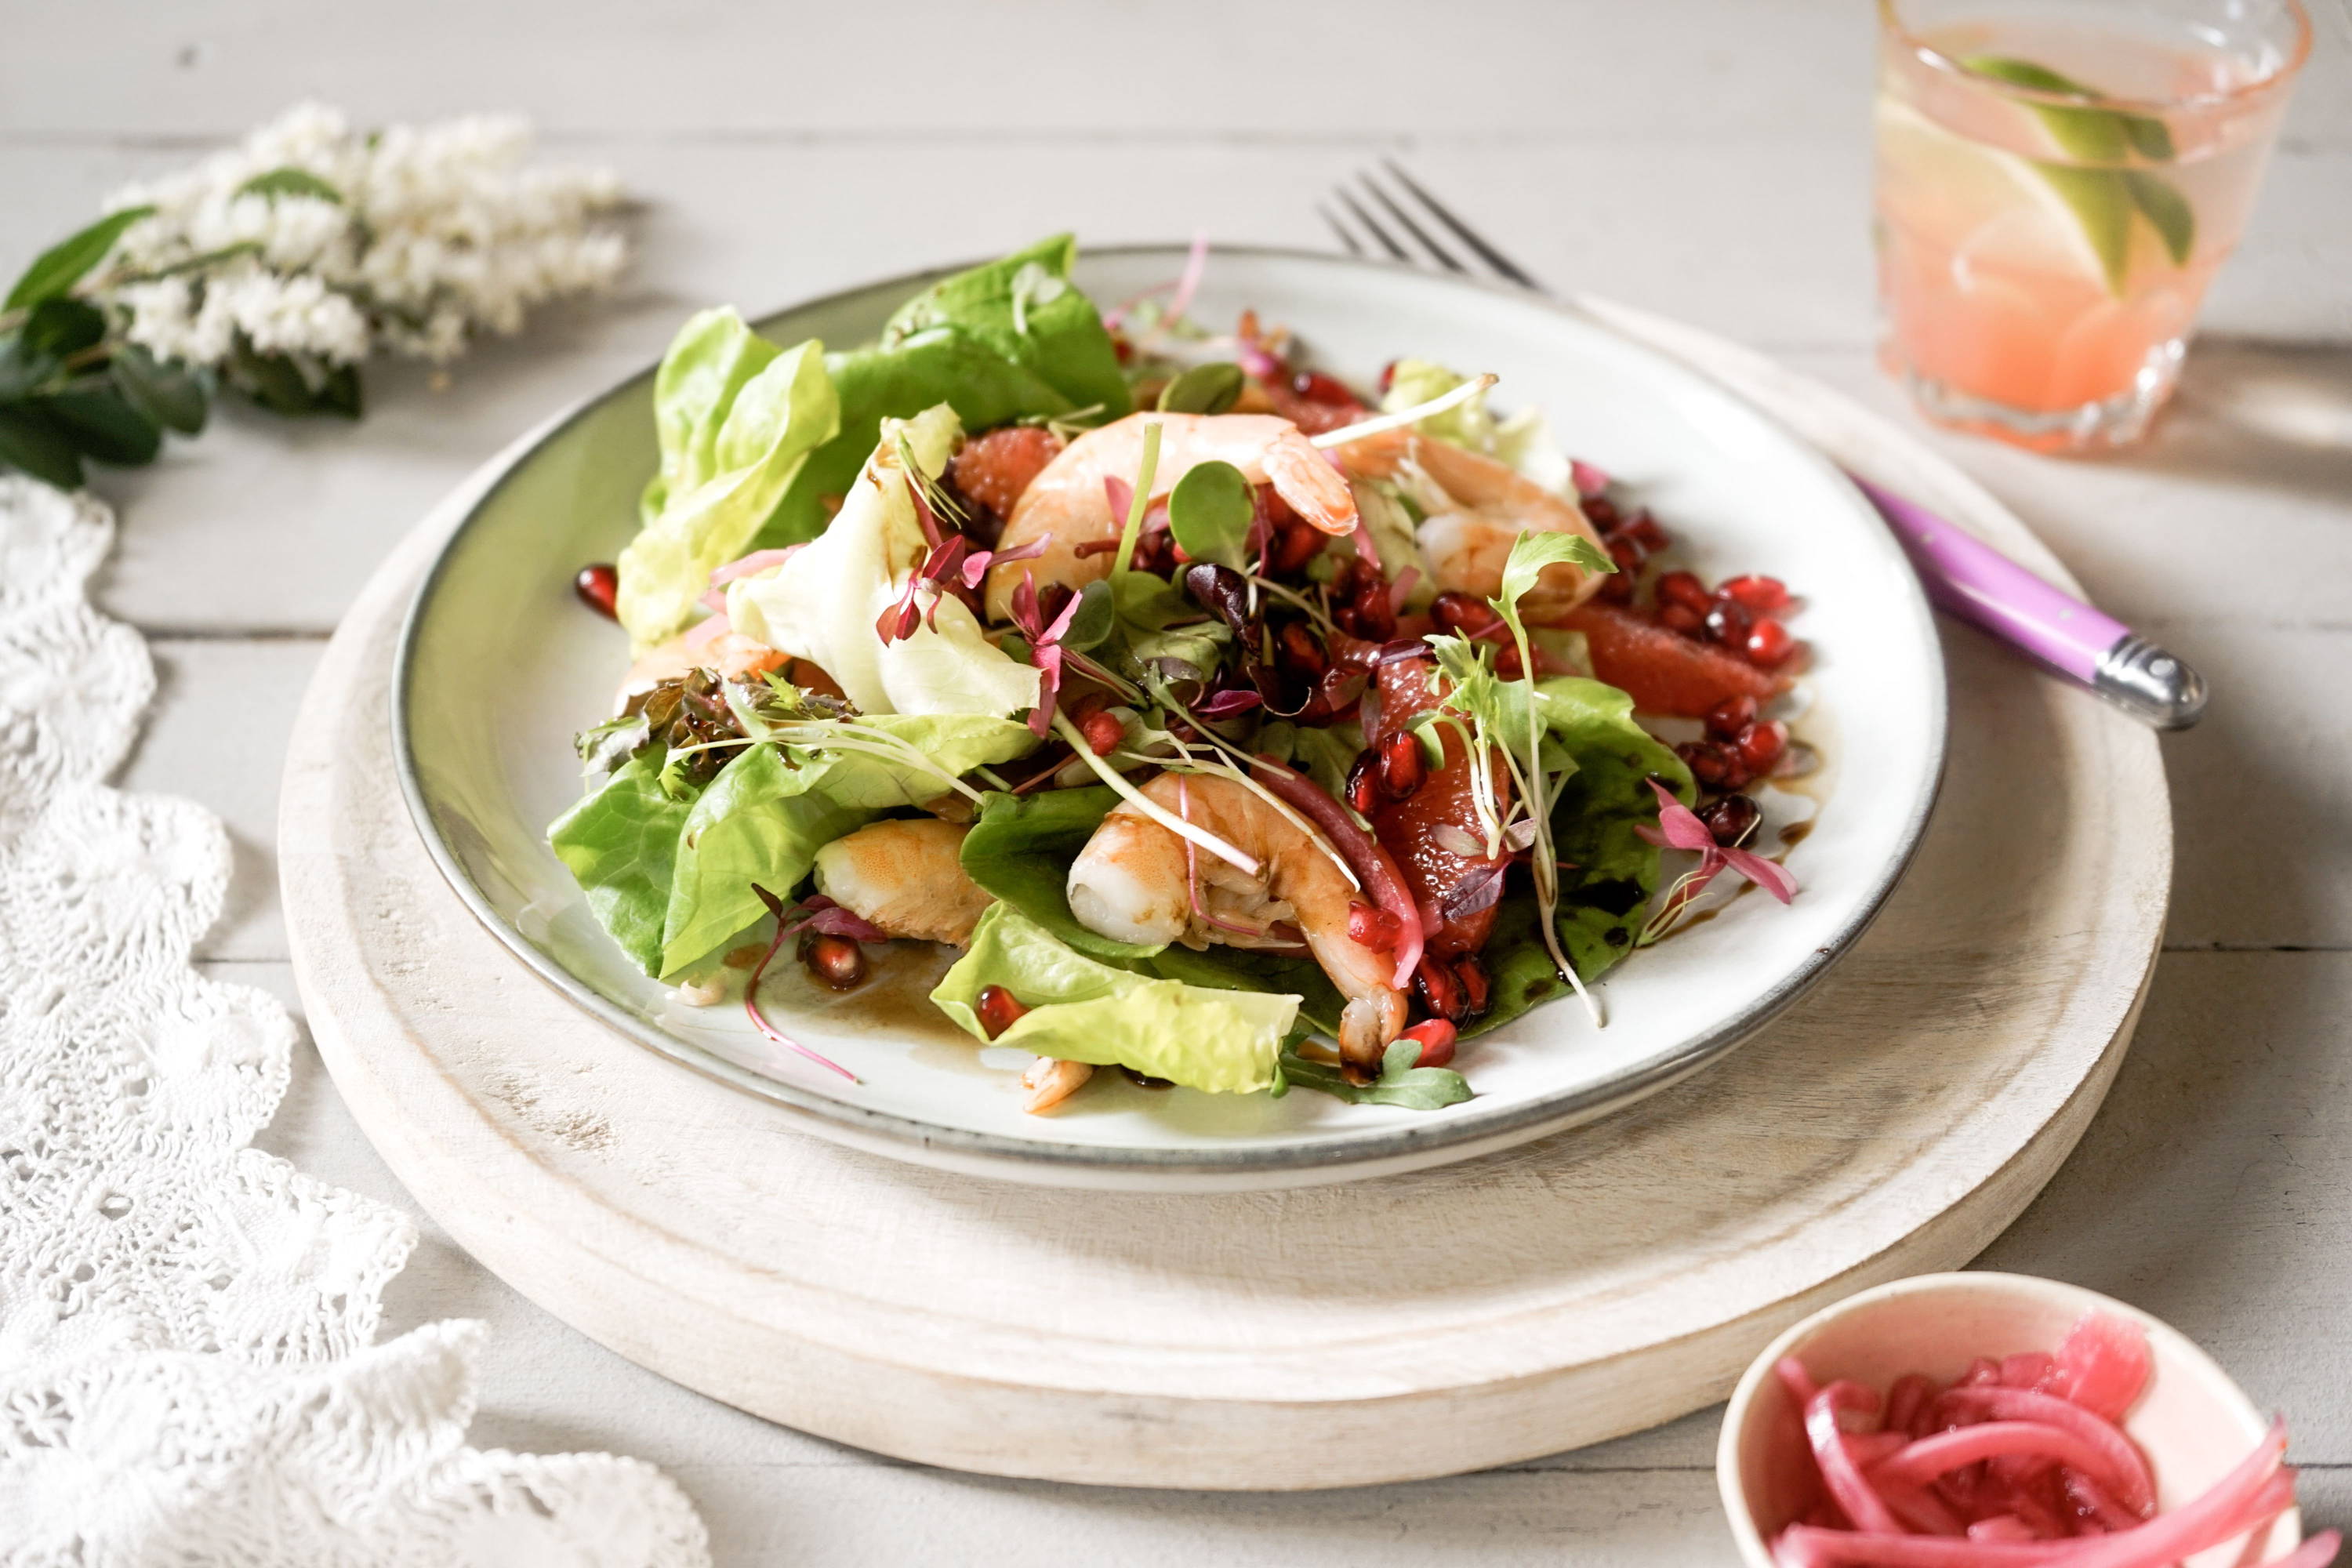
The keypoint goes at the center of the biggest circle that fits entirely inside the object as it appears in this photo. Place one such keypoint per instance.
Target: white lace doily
(187, 1366)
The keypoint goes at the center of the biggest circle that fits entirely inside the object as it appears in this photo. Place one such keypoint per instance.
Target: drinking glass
(2057, 184)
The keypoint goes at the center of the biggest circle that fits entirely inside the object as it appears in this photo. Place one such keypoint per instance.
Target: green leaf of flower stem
(172, 395)
(1203, 389)
(288, 181)
(64, 327)
(23, 367)
(2166, 210)
(65, 263)
(30, 441)
(1210, 511)
(104, 426)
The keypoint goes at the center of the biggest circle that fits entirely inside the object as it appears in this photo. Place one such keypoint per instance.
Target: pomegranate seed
(1297, 651)
(599, 587)
(1051, 600)
(1685, 588)
(1404, 764)
(1644, 531)
(1435, 1037)
(1601, 513)
(1617, 588)
(1627, 554)
(1730, 716)
(1681, 617)
(1762, 594)
(1440, 992)
(999, 1009)
(1295, 544)
(1317, 387)
(1103, 732)
(1362, 788)
(1728, 623)
(1768, 644)
(1709, 763)
(1509, 665)
(1374, 928)
(1731, 819)
(835, 960)
(1388, 377)
(1761, 745)
(1462, 614)
(1471, 976)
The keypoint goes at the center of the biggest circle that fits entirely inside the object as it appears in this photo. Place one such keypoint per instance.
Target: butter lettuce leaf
(737, 419)
(1082, 1009)
(962, 343)
(822, 605)
(770, 810)
(620, 845)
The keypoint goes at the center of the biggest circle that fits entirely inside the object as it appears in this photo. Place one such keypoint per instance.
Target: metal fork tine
(1355, 247)
(1444, 257)
(1487, 253)
(1396, 252)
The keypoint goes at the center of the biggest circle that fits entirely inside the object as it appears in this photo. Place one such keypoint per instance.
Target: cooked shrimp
(1476, 509)
(1051, 1080)
(1133, 882)
(1067, 499)
(906, 877)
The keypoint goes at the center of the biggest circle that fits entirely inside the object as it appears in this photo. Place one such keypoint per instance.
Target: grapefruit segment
(1664, 671)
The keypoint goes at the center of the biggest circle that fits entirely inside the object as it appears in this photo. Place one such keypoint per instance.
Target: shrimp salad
(1242, 730)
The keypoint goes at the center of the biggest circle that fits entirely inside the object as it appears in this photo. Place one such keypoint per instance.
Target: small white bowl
(2192, 1422)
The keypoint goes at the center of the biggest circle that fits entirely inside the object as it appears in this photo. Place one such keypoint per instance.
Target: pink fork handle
(1979, 584)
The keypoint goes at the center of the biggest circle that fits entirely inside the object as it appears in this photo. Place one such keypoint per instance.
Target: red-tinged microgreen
(951, 565)
(786, 924)
(1590, 479)
(1381, 424)
(1045, 651)
(1679, 828)
(1125, 560)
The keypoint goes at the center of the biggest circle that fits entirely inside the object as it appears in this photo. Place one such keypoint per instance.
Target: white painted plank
(1491, 68)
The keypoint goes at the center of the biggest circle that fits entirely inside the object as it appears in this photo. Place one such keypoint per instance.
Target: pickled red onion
(1360, 849)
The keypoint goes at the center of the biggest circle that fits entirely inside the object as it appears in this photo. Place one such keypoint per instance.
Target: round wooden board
(1574, 1288)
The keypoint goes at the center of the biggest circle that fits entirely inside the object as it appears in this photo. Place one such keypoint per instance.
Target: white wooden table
(1703, 158)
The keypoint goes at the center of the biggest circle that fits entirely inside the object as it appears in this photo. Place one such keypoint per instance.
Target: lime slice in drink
(1977, 200)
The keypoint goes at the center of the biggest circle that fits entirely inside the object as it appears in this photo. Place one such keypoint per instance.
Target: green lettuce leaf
(961, 342)
(620, 844)
(823, 605)
(1020, 849)
(769, 811)
(1081, 1009)
(1025, 307)
(737, 419)
(760, 821)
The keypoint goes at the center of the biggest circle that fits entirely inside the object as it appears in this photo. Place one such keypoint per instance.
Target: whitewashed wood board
(1581, 1287)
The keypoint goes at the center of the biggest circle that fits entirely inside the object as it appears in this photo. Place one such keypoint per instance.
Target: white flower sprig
(411, 239)
(280, 266)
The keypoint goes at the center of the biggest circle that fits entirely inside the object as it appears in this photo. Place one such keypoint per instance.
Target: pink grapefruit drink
(2055, 193)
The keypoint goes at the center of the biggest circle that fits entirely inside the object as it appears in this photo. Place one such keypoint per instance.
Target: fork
(1961, 575)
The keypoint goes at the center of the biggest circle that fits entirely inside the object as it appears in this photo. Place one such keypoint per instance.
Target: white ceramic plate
(499, 664)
